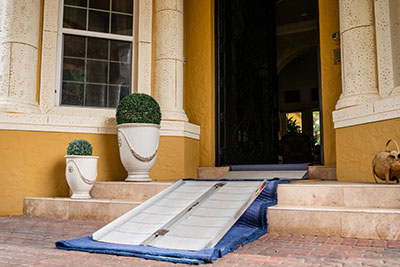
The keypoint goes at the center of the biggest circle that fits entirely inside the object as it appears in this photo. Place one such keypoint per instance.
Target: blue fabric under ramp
(271, 167)
(251, 225)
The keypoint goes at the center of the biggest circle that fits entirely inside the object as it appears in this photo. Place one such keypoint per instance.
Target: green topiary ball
(80, 147)
(138, 108)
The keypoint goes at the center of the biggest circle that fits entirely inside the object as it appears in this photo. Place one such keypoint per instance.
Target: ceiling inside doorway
(295, 11)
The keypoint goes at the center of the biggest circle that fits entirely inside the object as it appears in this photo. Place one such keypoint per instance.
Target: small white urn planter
(81, 173)
(138, 146)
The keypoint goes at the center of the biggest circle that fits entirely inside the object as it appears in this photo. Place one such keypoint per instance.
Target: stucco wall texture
(33, 163)
(357, 145)
(199, 83)
(331, 81)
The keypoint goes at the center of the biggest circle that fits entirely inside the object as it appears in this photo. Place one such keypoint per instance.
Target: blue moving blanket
(251, 225)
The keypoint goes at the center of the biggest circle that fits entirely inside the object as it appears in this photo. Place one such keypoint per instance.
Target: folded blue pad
(251, 225)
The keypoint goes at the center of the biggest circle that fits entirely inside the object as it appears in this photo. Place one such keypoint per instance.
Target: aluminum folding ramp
(189, 215)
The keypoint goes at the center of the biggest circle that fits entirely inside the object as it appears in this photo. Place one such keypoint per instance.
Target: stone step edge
(134, 183)
(92, 200)
(339, 184)
(335, 209)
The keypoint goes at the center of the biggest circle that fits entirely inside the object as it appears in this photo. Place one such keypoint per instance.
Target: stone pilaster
(19, 41)
(168, 81)
(359, 68)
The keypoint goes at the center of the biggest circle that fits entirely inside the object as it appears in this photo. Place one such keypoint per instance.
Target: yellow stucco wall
(178, 158)
(199, 84)
(33, 164)
(357, 145)
(330, 74)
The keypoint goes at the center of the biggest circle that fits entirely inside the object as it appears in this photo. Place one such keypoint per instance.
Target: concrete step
(322, 172)
(314, 172)
(335, 221)
(212, 172)
(109, 201)
(335, 194)
(127, 190)
(77, 209)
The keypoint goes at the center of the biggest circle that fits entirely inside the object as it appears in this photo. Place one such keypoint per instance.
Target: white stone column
(19, 41)
(359, 70)
(168, 83)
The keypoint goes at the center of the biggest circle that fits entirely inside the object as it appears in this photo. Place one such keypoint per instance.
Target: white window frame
(83, 33)
(49, 117)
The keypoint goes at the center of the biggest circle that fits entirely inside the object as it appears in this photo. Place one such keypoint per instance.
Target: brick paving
(27, 241)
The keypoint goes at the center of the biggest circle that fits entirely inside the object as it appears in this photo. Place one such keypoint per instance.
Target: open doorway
(267, 82)
(298, 80)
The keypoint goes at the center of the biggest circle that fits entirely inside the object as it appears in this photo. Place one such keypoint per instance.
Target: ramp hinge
(161, 232)
(219, 185)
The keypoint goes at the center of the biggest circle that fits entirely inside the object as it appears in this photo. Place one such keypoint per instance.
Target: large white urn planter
(81, 173)
(138, 146)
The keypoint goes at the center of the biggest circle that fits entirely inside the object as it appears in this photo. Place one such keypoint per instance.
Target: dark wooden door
(246, 97)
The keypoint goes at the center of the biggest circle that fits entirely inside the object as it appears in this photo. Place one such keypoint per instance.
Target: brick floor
(26, 241)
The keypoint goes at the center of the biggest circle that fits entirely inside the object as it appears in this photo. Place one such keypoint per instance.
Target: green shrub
(138, 108)
(80, 147)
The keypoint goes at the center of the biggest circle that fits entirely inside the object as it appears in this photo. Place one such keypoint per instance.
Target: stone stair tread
(340, 194)
(136, 191)
(77, 209)
(335, 209)
(134, 183)
(93, 200)
(319, 183)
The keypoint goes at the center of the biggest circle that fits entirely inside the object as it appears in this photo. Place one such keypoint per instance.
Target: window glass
(316, 128)
(122, 6)
(99, 15)
(82, 3)
(293, 122)
(121, 24)
(74, 18)
(99, 21)
(96, 61)
(100, 4)
(95, 68)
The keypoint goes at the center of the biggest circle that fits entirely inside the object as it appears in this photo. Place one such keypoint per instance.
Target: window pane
(122, 6)
(100, 4)
(96, 95)
(96, 71)
(116, 93)
(120, 51)
(72, 93)
(97, 48)
(120, 73)
(98, 21)
(82, 3)
(121, 24)
(74, 18)
(293, 122)
(74, 46)
(73, 69)
(316, 128)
